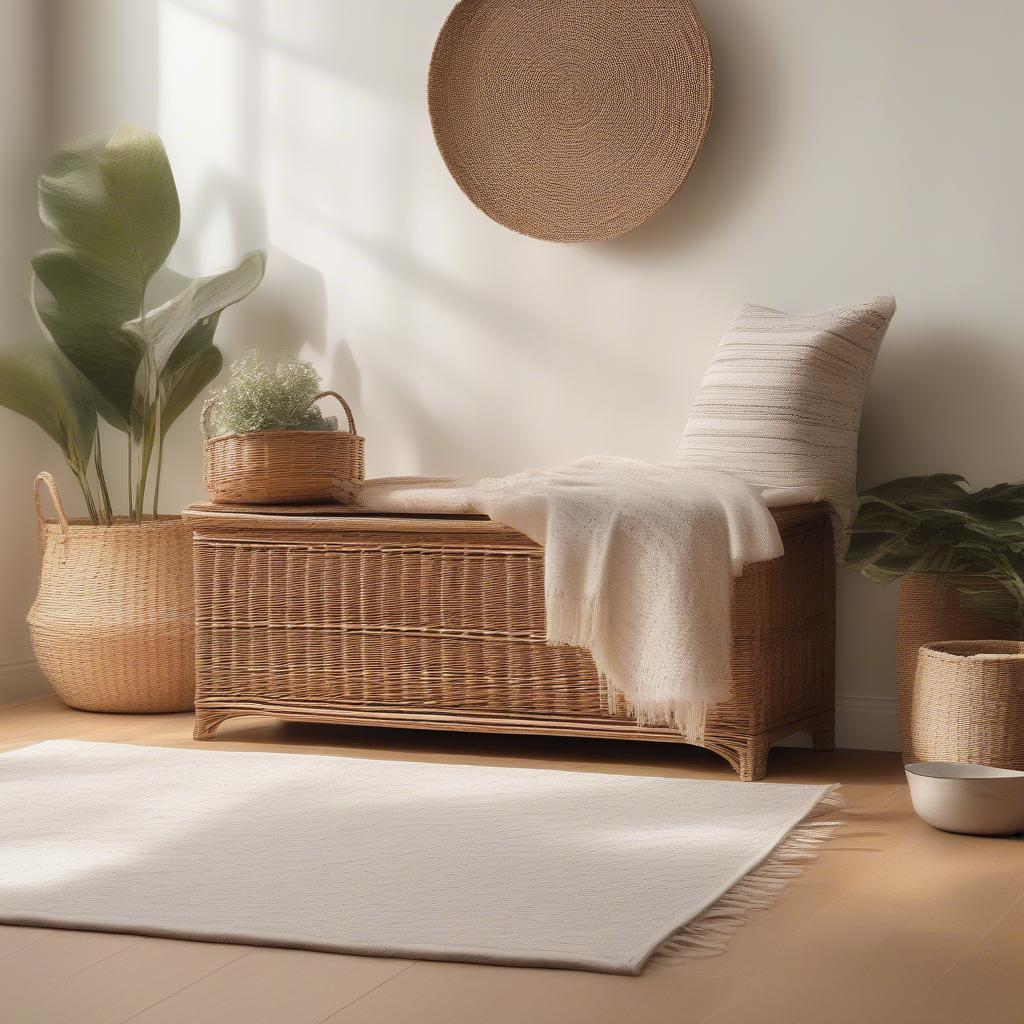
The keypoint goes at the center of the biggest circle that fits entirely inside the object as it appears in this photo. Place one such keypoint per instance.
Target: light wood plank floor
(894, 921)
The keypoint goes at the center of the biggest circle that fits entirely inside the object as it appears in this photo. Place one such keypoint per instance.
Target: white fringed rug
(387, 858)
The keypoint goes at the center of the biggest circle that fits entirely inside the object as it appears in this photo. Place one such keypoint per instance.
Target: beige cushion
(781, 403)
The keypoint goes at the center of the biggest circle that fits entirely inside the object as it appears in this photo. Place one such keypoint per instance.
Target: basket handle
(211, 402)
(207, 412)
(51, 486)
(344, 405)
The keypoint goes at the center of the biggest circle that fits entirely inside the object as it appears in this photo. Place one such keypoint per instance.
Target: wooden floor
(893, 922)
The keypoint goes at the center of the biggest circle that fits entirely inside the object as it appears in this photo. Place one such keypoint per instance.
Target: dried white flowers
(262, 395)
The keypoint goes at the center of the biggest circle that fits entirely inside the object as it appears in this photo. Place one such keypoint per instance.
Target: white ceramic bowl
(969, 798)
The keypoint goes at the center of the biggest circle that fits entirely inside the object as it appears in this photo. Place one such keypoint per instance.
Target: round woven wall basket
(275, 467)
(571, 120)
(966, 704)
(112, 624)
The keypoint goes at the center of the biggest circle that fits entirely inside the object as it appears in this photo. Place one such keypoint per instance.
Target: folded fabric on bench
(639, 563)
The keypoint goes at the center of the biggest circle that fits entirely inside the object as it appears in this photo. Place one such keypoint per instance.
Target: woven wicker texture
(267, 467)
(570, 120)
(928, 611)
(112, 623)
(441, 624)
(966, 704)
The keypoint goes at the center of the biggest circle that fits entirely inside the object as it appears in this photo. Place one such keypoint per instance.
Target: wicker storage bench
(321, 614)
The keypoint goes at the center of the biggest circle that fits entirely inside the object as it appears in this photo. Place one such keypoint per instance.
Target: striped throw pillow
(780, 406)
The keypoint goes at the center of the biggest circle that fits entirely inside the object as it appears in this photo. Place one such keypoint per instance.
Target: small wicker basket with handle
(273, 467)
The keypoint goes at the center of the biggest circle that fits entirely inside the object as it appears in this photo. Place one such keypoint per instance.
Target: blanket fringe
(689, 718)
(583, 624)
(709, 933)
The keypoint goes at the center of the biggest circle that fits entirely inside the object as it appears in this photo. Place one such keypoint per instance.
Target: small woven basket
(928, 611)
(966, 704)
(274, 467)
(112, 625)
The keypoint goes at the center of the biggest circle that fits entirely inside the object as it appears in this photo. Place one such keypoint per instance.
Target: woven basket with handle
(967, 704)
(272, 467)
(112, 624)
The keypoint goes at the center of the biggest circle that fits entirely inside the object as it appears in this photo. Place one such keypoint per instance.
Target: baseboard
(21, 681)
(867, 723)
(862, 723)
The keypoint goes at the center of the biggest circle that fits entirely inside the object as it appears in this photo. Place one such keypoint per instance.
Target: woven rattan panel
(345, 615)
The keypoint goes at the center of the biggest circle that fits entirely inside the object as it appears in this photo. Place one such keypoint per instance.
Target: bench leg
(207, 724)
(753, 760)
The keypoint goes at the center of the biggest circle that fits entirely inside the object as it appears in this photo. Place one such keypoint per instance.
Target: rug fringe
(708, 934)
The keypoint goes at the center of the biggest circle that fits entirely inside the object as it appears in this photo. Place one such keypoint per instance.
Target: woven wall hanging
(570, 120)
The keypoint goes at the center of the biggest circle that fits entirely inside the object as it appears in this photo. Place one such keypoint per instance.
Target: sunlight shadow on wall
(741, 136)
(328, 35)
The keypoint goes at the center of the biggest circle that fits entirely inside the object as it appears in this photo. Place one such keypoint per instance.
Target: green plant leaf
(996, 510)
(106, 355)
(115, 206)
(114, 202)
(880, 518)
(936, 525)
(139, 180)
(1006, 492)
(39, 383)
(866, 547)
(935, 486)
(82, 284)
(192, 367)
(168, 325)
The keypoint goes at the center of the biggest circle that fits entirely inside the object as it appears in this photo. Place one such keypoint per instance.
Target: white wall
(23, 449)
(854, 149)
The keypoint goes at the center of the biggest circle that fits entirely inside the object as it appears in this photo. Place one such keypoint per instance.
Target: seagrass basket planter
(966, 704)
(112, 625)
(273, 467)
(928, 610)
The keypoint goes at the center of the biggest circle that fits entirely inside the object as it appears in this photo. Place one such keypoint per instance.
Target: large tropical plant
(938, 526)
(105, 350)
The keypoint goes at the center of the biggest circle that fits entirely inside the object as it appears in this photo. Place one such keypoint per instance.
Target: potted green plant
(112, 623)
(958, 555)
(267, 442)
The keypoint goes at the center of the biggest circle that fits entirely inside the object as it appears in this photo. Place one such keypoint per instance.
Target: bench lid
(330, 516)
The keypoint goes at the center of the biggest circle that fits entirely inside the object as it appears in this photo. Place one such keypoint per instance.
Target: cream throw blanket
(638, 566)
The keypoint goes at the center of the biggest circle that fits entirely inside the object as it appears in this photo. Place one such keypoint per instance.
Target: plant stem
(140, 482)
(102, 480)
(131, 506)
(159, 467)
(145, 457)
(83, 482)
(147, 436)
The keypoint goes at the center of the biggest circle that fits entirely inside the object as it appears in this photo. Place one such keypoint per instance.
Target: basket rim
(975, 650)
(120, 523)
(348, 435)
